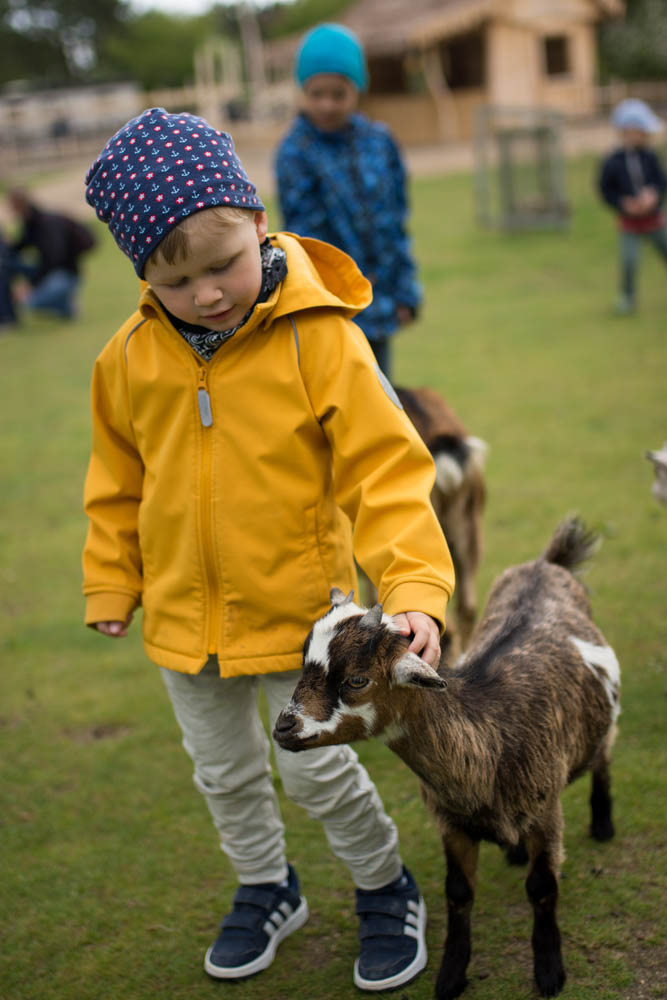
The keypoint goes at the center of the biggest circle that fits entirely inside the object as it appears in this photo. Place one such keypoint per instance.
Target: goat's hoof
(447, 988)
(550, 977)
(517, 854)
(602, 830)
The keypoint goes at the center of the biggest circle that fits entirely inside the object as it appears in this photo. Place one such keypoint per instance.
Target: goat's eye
(357, 682)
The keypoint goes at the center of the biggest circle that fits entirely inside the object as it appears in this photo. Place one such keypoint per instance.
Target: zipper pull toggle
(204, 400)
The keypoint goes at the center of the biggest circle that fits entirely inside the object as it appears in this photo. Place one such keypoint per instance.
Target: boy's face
(221, 277)
(328, 100)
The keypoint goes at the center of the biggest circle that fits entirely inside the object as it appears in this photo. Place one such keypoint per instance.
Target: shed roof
(388, 26)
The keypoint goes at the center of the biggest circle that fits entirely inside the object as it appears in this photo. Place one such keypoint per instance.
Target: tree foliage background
(54, 40)
(636, 47)
(57, 42)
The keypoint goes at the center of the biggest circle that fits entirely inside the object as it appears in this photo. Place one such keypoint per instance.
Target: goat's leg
(517, 854)
(602, 827)
(461, 629)
(466, 608)
(545, 852)
(459, 521)
(461, 854)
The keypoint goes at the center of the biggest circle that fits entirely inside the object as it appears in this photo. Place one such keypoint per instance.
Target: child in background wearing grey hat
(245, 448)
(632, 180)
(341, 179)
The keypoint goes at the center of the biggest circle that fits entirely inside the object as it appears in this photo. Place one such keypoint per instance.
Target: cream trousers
(224, 735)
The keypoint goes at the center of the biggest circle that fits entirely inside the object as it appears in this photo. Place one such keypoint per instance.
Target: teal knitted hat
(331, 48)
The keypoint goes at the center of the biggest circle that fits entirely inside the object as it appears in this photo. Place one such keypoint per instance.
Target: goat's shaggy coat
(527, 709)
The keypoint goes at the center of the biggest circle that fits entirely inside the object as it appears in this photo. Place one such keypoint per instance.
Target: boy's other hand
(426, 635)
(404, 314)
(114, 629)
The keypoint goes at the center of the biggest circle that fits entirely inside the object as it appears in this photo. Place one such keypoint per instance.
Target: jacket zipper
(206, 416)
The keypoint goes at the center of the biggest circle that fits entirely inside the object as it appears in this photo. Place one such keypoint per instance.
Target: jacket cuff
(425, 597)
(109, 607)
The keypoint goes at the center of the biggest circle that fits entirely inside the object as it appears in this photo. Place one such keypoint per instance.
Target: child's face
(633, 137)
(328, 100)
(221, 277)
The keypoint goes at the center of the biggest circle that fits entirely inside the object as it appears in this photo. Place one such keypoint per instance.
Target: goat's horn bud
(336, 596)
(372, 617)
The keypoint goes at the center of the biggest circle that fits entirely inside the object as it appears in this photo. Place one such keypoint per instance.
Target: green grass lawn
(111, 879)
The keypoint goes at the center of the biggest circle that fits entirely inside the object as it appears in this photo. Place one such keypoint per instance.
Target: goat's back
(540, 601)
(431, 415)
(540, 674)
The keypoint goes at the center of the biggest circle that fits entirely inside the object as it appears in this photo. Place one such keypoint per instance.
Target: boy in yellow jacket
(245, 445)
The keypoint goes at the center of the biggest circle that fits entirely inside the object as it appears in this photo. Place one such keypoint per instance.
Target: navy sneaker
(392, 927)
(262, 916)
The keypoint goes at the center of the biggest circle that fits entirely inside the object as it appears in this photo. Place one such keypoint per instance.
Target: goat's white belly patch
(602, 661)
(313, 727)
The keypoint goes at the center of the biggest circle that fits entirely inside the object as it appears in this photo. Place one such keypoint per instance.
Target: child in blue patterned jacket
(341, 179)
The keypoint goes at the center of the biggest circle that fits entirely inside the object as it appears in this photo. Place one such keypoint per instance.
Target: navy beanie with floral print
(157, 170)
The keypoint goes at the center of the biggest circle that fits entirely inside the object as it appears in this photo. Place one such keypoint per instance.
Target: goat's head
(355, 662)
(659, 459)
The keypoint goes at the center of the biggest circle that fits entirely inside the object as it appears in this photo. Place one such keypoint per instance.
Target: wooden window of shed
(463, 60)
(557, 55)
(387, 75)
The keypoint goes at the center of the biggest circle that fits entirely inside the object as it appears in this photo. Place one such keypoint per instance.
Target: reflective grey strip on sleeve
(127, 339)
(388, 387)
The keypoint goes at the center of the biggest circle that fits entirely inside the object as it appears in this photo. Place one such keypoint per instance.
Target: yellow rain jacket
(221, 494)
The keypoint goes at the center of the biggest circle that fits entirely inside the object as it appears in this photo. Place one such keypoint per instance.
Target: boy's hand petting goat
(530, 706)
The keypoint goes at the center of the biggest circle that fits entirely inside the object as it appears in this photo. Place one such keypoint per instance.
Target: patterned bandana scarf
(206, 342)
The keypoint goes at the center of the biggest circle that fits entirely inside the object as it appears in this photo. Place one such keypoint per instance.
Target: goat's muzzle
(286, 732)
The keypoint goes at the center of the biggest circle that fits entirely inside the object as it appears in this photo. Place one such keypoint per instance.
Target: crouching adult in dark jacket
(7, 313)
(58, 243)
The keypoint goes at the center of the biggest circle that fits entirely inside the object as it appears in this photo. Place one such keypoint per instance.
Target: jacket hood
(318, 276)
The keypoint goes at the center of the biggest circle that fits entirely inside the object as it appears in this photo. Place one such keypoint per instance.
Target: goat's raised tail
(572, 544)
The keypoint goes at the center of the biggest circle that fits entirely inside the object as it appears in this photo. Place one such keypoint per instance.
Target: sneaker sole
(263, 961)
(409, 972)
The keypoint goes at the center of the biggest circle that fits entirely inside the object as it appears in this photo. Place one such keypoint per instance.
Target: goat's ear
(336, 596)
(411, 671)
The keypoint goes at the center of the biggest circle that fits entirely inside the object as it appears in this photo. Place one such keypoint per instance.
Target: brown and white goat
(458, 495)
(530, 706)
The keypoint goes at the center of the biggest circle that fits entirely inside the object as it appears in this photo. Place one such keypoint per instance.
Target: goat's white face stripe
(323, 631)
(604, 658)
(315, 727)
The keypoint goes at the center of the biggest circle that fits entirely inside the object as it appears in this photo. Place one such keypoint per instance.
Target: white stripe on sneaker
(263, 961)
(414, 968)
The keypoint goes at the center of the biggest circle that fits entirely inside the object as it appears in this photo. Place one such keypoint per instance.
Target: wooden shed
(433, 63)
